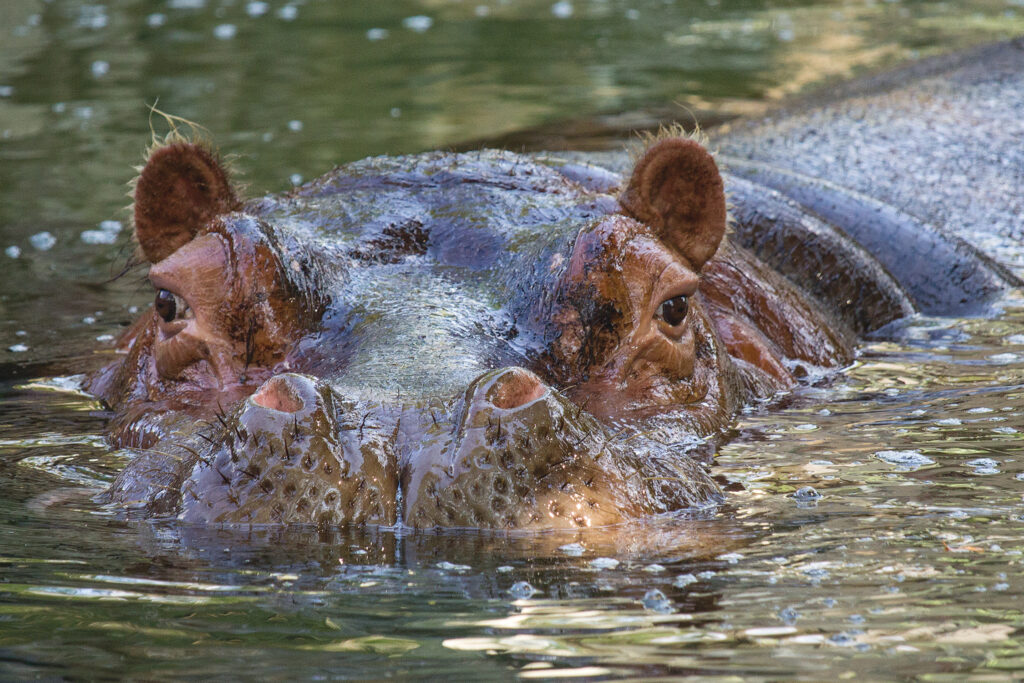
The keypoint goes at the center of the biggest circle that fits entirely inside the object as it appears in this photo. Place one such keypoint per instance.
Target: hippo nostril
(278, 394)
(514, 388)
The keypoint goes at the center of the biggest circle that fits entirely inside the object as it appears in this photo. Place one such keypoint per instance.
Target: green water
(899, 571)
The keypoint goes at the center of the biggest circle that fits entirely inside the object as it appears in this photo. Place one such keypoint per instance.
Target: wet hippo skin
(488, 339)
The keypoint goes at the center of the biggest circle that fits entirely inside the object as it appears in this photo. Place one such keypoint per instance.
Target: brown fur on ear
(182, 187)
(677, 190)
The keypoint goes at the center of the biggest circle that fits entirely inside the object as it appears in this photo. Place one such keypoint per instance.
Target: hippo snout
(296, 453)
(513, 388)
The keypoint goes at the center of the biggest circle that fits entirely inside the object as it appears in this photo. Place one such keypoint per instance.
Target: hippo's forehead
(419, 331)
(474, 210)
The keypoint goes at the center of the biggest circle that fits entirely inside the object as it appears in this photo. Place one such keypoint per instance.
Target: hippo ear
(181, 188)
(677, 190)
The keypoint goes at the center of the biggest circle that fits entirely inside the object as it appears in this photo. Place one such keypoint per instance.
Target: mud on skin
(479, 340)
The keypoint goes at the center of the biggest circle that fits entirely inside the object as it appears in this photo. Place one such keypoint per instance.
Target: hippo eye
(169, 305)
(673, 311)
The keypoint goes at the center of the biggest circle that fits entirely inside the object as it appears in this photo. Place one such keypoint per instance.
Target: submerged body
(487, 339)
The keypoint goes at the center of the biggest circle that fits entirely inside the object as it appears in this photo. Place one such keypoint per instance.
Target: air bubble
(656, 601)
(522, 590)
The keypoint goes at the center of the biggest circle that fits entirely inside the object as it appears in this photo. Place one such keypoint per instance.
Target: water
(902, 566)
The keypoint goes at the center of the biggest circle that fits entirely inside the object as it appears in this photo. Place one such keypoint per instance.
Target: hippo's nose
(288, 393)
(278, 393)
(513, 388)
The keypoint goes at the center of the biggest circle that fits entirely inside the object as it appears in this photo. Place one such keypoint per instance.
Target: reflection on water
(904, 562)
(914, 548)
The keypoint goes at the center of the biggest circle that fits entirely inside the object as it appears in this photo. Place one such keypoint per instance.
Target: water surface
(905, 562)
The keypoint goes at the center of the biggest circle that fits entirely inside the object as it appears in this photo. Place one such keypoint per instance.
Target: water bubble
(1004, 358)
(522, 590)
(13, 251)
(806, 494)
(632, 14)
(98, 237)
(225, 31)
(705, 575)
(654, 568)
(856, 619)
(684, 580)
(156, 20)
(105, 338)
(573, 549)
(562, 10)
(100, 68)
(89, 320)
(21, 333)
(375, 34)
(449, 566)
(43, 241)
(1004, 430)
(604, 563)
(396, 112)
(288, 13)
(1001, 586)
(656, 601)
(788, 615)
(918, 413)
(824, 412)
(6, 91)
(907, 460)
(731, 558)
(806, 427)
(949, 422)
(816, 573)
(295, 178)
(418, 23)
(256, 8)
(842, 640)
(983, 465)
(829, 602)
(504, 569)
(17, 348)
(295, 125)
(482, 10)
(979, 411)
(92, 16)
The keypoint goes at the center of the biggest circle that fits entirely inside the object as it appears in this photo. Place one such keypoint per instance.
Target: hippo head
(630, 336)
(228, 300)
(456, 340)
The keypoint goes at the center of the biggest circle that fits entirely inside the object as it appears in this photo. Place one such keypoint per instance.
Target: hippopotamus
(494, 340)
